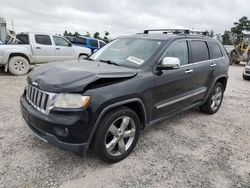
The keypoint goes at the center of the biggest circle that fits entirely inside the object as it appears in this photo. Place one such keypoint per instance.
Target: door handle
(57, 48)
(189, 71)
(213, 65)
(38, 48)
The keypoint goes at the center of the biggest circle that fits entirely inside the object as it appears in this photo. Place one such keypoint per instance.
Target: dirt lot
(189, 150)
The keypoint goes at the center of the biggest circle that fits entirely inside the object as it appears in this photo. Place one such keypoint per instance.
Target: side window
(214, 50)
(93, 43)
(59, 41)
(43, 39)
(179, 50)
(199, 51)
(80, 40)
(102, 44)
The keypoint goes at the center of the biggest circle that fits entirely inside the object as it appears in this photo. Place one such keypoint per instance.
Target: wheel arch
(134, 104)
(19, 54)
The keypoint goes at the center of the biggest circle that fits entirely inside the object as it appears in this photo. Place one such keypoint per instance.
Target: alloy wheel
(216, 98)
(120, 136)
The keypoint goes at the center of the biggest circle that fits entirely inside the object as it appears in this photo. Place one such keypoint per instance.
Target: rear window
(214, 50)
(43, 39)
(199, 51)
(93, 43)
(23, 39)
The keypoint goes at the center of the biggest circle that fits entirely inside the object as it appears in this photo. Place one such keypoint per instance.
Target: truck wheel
(234, 58)
(213, 103)
(117, 135)
(18, 65)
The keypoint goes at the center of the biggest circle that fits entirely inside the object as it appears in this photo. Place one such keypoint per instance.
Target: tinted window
(43, 39)
(179, 50)
(23, 39)
(102, 44)
(214, 50)
(59, 41)
(199, 51)
(80, 40)
(93, 43)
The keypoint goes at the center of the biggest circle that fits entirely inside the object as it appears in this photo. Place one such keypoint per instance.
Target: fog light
(63, 132)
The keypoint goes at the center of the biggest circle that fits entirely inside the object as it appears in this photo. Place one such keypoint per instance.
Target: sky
(121, 17)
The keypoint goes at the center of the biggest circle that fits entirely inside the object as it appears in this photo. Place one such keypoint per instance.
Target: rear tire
(213, 103)
(18, 65)
(117, 135)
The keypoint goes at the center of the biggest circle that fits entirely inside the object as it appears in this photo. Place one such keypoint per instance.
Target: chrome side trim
(180, 99)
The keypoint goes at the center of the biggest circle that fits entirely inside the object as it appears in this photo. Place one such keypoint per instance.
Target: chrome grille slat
(41, 100)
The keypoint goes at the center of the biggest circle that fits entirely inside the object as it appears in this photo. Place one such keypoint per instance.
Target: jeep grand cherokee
(126, 86)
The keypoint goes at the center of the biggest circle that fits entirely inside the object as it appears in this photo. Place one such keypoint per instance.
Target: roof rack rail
(177, 31)
(166, 31)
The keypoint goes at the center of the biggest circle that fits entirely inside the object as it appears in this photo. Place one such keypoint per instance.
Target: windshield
(127, 52)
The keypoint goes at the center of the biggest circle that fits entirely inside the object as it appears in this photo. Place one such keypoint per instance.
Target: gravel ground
(190, 150)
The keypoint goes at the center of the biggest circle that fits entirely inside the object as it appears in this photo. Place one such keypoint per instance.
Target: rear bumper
(66, 130)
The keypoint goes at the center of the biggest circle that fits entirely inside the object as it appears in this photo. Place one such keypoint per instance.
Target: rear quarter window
(199, 51)
(214, 50)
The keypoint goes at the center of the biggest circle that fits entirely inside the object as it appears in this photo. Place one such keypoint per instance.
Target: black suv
(131, 83)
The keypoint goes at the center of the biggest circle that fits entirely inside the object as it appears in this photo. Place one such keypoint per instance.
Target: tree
(242, 25)
(88, 34)
(96, 35)
(76, 34)
(65, 33)
(226, 38)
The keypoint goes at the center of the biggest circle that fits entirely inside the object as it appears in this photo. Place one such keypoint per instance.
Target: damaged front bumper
(66, 130)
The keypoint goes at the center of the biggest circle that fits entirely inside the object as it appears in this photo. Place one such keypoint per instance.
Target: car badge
(34, 83)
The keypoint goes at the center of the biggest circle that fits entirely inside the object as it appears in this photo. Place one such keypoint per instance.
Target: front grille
(39, 99)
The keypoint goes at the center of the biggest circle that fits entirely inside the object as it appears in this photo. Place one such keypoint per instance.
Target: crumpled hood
(74, 76)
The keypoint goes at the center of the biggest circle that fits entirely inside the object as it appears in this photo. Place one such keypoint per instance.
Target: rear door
(64, 49)
(43, 49)
(173, 88)
(204, 66)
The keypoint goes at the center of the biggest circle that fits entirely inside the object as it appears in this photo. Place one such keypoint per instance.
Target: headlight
(64, 100)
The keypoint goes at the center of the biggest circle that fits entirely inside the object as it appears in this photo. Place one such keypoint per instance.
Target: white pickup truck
(37, 48)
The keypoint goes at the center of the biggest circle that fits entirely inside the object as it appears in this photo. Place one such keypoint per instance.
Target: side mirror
(70, 44)
(169, 63)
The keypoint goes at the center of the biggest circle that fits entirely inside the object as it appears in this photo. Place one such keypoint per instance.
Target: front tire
(213, 103)
(117, 135)
(18, 65)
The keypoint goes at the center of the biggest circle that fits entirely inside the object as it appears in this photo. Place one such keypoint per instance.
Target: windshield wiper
(109, 62)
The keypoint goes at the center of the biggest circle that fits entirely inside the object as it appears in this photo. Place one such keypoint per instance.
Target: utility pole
(12, 23)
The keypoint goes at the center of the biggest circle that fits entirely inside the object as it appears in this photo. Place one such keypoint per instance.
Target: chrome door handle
(213, 65)
(38, 48)
(57, 48)
(189, 71)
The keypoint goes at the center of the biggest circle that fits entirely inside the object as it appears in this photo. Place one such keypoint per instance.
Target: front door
(64, 49)
(173, 87)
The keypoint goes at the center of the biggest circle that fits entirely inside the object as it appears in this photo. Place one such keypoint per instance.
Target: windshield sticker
(135, 60)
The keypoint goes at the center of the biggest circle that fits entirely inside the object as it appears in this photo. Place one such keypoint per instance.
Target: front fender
(82, 50)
